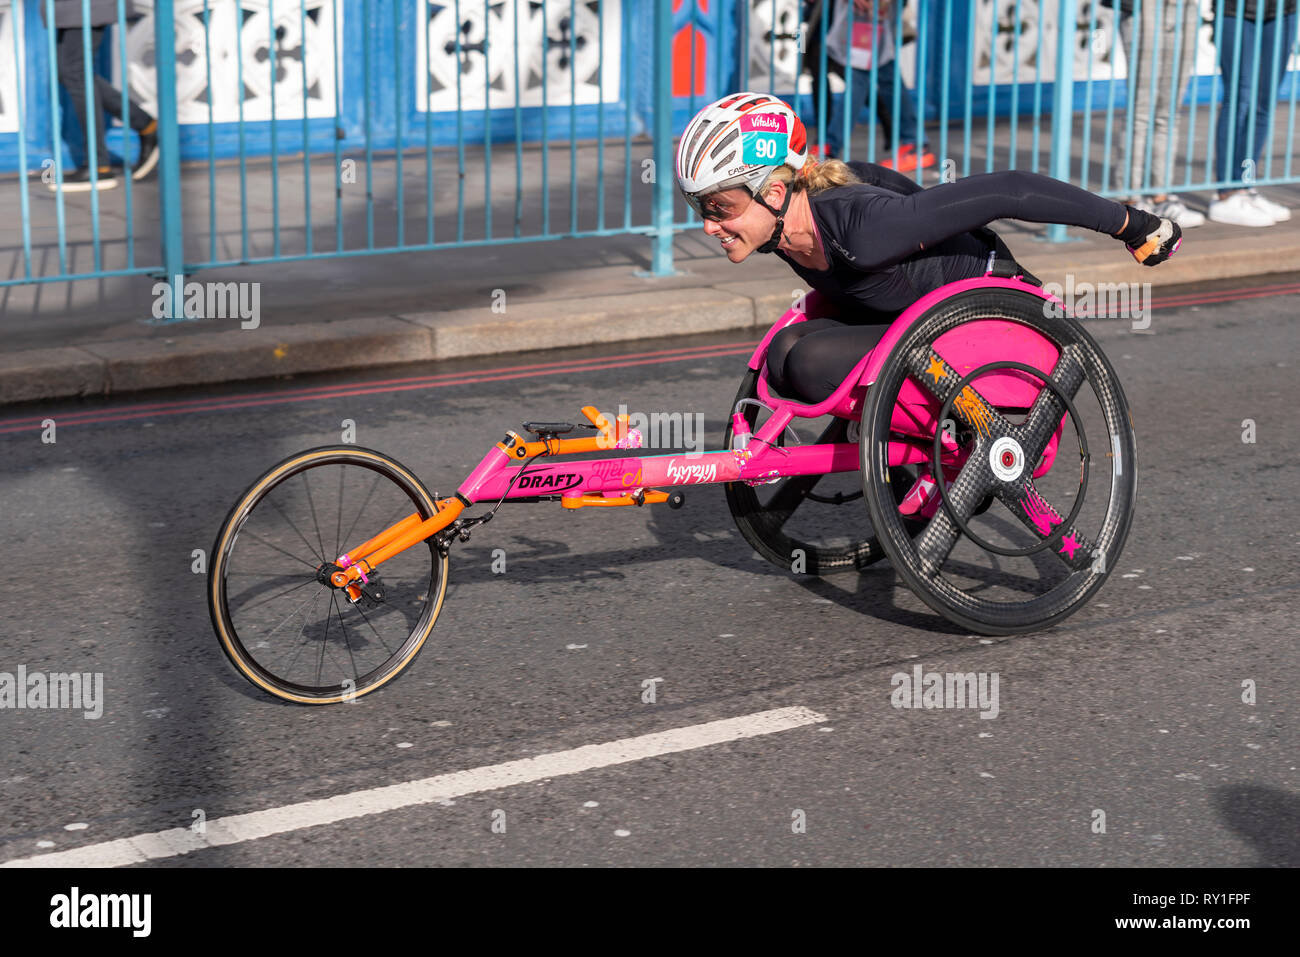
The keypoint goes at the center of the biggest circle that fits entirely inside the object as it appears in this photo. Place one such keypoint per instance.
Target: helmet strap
(771, 244)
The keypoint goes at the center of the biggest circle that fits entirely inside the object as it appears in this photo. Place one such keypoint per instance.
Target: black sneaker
(79, 181)
(148, 152)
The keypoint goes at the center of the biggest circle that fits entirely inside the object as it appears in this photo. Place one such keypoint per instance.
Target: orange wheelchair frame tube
(355, 563)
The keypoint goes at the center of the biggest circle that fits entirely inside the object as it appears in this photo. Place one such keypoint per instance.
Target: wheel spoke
(300, 644)
(936, 541)
(366, 501)
(1048, 409)
(965, 493)
(297, 531)
(366, 619)
(248, 608)
(311, 503)
(320, 663)
(356, 672)
(338, 527)
(940, 380)
(311, 598)
(259, 538)
(1027, 504)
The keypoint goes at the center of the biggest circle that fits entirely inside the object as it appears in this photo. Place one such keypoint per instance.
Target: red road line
(219, 405)
(571, 365)
(409, 383)
(1226, 295)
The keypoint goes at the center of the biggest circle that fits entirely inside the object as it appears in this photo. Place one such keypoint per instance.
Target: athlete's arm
(883, 229)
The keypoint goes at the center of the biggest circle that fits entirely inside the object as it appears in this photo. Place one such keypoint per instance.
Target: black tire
(272, 541)
(761, 519)
(1083, 556)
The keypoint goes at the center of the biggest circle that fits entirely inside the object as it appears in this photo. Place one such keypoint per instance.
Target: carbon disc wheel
(1050, 544)
(277, 618)
(813, 520)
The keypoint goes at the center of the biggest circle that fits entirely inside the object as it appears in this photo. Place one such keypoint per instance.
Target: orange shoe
(907, 160)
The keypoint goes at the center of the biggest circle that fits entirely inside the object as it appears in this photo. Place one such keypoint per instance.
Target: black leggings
(810, 359)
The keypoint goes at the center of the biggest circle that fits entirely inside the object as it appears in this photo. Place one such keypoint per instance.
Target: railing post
(1062, 103)
(169, 160)
(662, 254)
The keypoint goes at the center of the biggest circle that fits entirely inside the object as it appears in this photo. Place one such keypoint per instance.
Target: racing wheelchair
(330, 571)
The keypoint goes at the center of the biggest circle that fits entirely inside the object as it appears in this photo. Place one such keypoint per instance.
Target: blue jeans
(1232, 150)
(861, 97)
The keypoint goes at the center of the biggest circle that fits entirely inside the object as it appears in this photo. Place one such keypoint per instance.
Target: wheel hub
(1007, 459)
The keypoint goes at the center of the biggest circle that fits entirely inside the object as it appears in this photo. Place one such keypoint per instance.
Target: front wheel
(279, 621)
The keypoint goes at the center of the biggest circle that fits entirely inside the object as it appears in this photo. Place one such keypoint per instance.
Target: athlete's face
(740, 224)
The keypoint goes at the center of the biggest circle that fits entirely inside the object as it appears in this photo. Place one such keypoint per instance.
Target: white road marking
(239, 828)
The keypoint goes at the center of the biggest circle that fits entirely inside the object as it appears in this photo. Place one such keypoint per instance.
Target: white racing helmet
(738, 141)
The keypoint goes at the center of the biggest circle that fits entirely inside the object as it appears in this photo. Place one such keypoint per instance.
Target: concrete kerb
(156, 362)
(32, 374)
(558, 323)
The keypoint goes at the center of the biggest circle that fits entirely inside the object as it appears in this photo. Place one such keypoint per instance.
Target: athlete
(867, 240)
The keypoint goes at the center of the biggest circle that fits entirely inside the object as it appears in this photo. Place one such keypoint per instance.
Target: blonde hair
(813, 177)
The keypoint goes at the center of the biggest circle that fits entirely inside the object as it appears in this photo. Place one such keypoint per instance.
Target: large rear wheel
(1062, 522)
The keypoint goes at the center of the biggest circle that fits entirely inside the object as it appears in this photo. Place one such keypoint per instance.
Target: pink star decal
(1069, 544)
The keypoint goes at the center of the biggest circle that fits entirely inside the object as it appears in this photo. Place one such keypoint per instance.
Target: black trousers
(809, 360)
(72, 76)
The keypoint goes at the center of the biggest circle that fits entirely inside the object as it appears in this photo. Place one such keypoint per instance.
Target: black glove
(1149, 238)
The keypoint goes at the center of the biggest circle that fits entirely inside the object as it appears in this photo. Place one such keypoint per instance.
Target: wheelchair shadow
(1268, 818)
(703, 529)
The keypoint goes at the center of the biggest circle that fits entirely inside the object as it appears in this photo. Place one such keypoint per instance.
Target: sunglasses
(711, 209)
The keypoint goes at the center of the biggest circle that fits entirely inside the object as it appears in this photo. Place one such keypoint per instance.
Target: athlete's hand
(1149, 238)
(1158, 245)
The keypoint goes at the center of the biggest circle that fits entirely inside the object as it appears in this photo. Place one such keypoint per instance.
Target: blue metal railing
(446, 101)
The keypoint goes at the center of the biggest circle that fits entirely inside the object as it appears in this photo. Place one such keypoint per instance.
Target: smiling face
(741, 225)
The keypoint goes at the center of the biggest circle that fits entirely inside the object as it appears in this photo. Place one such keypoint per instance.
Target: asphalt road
(1132, 707)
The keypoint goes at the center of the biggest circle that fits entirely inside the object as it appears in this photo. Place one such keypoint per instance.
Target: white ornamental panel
(774, 28)
(8, 69)
(302, 36)
(477, 41)
(1109, 56)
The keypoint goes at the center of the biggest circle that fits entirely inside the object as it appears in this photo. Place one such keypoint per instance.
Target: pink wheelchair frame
(756, 457)
(965, 348)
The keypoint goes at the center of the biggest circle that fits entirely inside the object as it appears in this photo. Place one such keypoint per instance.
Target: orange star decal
(936, 368)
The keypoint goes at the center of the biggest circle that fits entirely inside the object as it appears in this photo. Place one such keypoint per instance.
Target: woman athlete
(869, 241)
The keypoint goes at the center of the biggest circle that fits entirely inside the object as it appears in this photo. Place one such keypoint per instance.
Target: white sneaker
(1239, 210)
(1279, 212)
(1173, 209)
